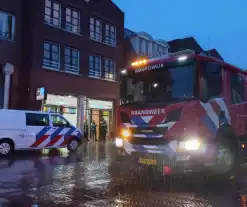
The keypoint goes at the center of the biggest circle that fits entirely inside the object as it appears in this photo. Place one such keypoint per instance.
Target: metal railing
(94, 73)
(52, 21)
(110, 41)
(71, 69)
(72, 28)
(95, 36)
(6, 35)
(51, 64)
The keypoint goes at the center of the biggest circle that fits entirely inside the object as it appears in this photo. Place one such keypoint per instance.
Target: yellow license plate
(147, 161)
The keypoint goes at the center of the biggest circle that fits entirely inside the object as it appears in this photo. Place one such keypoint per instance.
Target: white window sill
(98, 78)
(61, 71)
(50, 68)
(65, 30)
(112, 45)
(71, 73)
(96, 40)
(7, 39)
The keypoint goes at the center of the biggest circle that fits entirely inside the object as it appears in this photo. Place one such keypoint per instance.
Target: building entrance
(97, 110)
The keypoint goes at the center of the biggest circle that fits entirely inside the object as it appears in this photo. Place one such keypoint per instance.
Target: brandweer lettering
(151, 67)
(147, 112)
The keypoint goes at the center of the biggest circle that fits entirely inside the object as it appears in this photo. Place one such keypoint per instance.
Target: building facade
(142, 44)
(73, 50)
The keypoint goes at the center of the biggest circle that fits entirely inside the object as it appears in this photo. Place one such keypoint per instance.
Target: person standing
(103, 129)
(93, 130)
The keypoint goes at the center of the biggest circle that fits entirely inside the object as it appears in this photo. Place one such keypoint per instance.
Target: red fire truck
(184, 112)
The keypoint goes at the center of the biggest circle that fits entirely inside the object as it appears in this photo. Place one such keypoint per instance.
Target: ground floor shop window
(64, 105)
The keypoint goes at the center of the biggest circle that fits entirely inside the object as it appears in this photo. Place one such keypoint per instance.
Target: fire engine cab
(183, 112)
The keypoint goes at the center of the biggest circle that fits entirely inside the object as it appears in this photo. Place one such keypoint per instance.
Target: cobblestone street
(91, 177)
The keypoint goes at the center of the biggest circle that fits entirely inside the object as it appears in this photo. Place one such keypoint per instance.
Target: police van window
(213, 79)
(237, 88)
(33, 119)
(59, 121)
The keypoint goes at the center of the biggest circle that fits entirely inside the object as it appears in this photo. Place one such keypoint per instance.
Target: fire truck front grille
(149, 130)
(148, 141)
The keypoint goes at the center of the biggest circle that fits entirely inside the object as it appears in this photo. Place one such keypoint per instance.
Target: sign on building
(40, 94)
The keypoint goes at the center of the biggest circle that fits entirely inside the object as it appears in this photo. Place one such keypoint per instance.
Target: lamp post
(8, 71)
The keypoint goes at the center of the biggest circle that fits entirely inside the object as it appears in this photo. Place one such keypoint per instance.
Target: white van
(22, 130)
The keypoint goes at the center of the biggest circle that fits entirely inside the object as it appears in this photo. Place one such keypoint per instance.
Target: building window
(7, 26)
(162, 50)
(95, 29)
(110, 35)
(71, 60)
(237, 88)
(51, 56)
(94, 66)
(53, 13)
(109, 69)
(72, 21)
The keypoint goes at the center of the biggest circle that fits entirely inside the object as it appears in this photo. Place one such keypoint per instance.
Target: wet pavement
(91, 177)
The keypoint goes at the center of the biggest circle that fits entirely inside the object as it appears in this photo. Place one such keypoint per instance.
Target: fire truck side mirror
(203, 90)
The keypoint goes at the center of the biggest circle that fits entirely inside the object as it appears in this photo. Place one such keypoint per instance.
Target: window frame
(108, 38)
(204, 72)
(8, 30)
(94, 37)
(238, 76)
(50, 51)
(100, 64)
(70, 68)
(70, 24)
(114, 69)
(37, 114)
(50, 20)
(67, 122)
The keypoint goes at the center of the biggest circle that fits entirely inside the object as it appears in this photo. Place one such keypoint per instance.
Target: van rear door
(38, 130)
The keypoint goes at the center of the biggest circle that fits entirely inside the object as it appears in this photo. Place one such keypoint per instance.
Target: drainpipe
(8, 71)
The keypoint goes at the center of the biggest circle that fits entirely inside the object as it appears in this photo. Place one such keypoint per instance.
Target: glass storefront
(93, 110)
(64, 105)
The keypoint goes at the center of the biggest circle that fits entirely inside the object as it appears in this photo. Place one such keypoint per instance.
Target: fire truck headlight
(119, 142)
(190, 145)
(125, 133)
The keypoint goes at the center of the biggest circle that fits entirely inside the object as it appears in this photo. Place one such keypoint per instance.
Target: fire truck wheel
(73, 145)
(227, 154)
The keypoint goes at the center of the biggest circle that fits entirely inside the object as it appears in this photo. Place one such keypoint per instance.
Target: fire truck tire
(227, 154)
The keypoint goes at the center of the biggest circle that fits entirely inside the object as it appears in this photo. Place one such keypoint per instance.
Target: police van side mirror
(203, 90)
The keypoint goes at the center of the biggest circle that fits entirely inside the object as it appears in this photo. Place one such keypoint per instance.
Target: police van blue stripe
(42, 132)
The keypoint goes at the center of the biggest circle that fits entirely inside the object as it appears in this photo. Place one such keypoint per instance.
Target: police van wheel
(73, 145)
(5, 148)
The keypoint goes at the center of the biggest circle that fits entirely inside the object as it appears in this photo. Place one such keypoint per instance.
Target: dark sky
(214, 23)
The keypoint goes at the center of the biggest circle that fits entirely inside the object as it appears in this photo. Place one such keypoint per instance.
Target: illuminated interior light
(124, 71)
(182, 58)
(155, 85)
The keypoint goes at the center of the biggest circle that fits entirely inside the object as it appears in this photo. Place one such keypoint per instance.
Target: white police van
(24, 130)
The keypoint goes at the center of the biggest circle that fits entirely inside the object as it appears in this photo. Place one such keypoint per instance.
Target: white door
(63, 131)
(38, 130)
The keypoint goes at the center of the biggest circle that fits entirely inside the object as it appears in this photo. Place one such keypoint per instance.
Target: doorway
(96, 115)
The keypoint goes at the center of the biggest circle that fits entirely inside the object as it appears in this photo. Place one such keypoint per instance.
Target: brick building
(71, 48)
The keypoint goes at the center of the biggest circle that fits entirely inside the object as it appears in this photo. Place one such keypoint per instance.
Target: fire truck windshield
(161, 85)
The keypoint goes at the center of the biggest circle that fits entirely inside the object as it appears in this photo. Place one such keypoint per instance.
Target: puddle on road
(84, 179)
